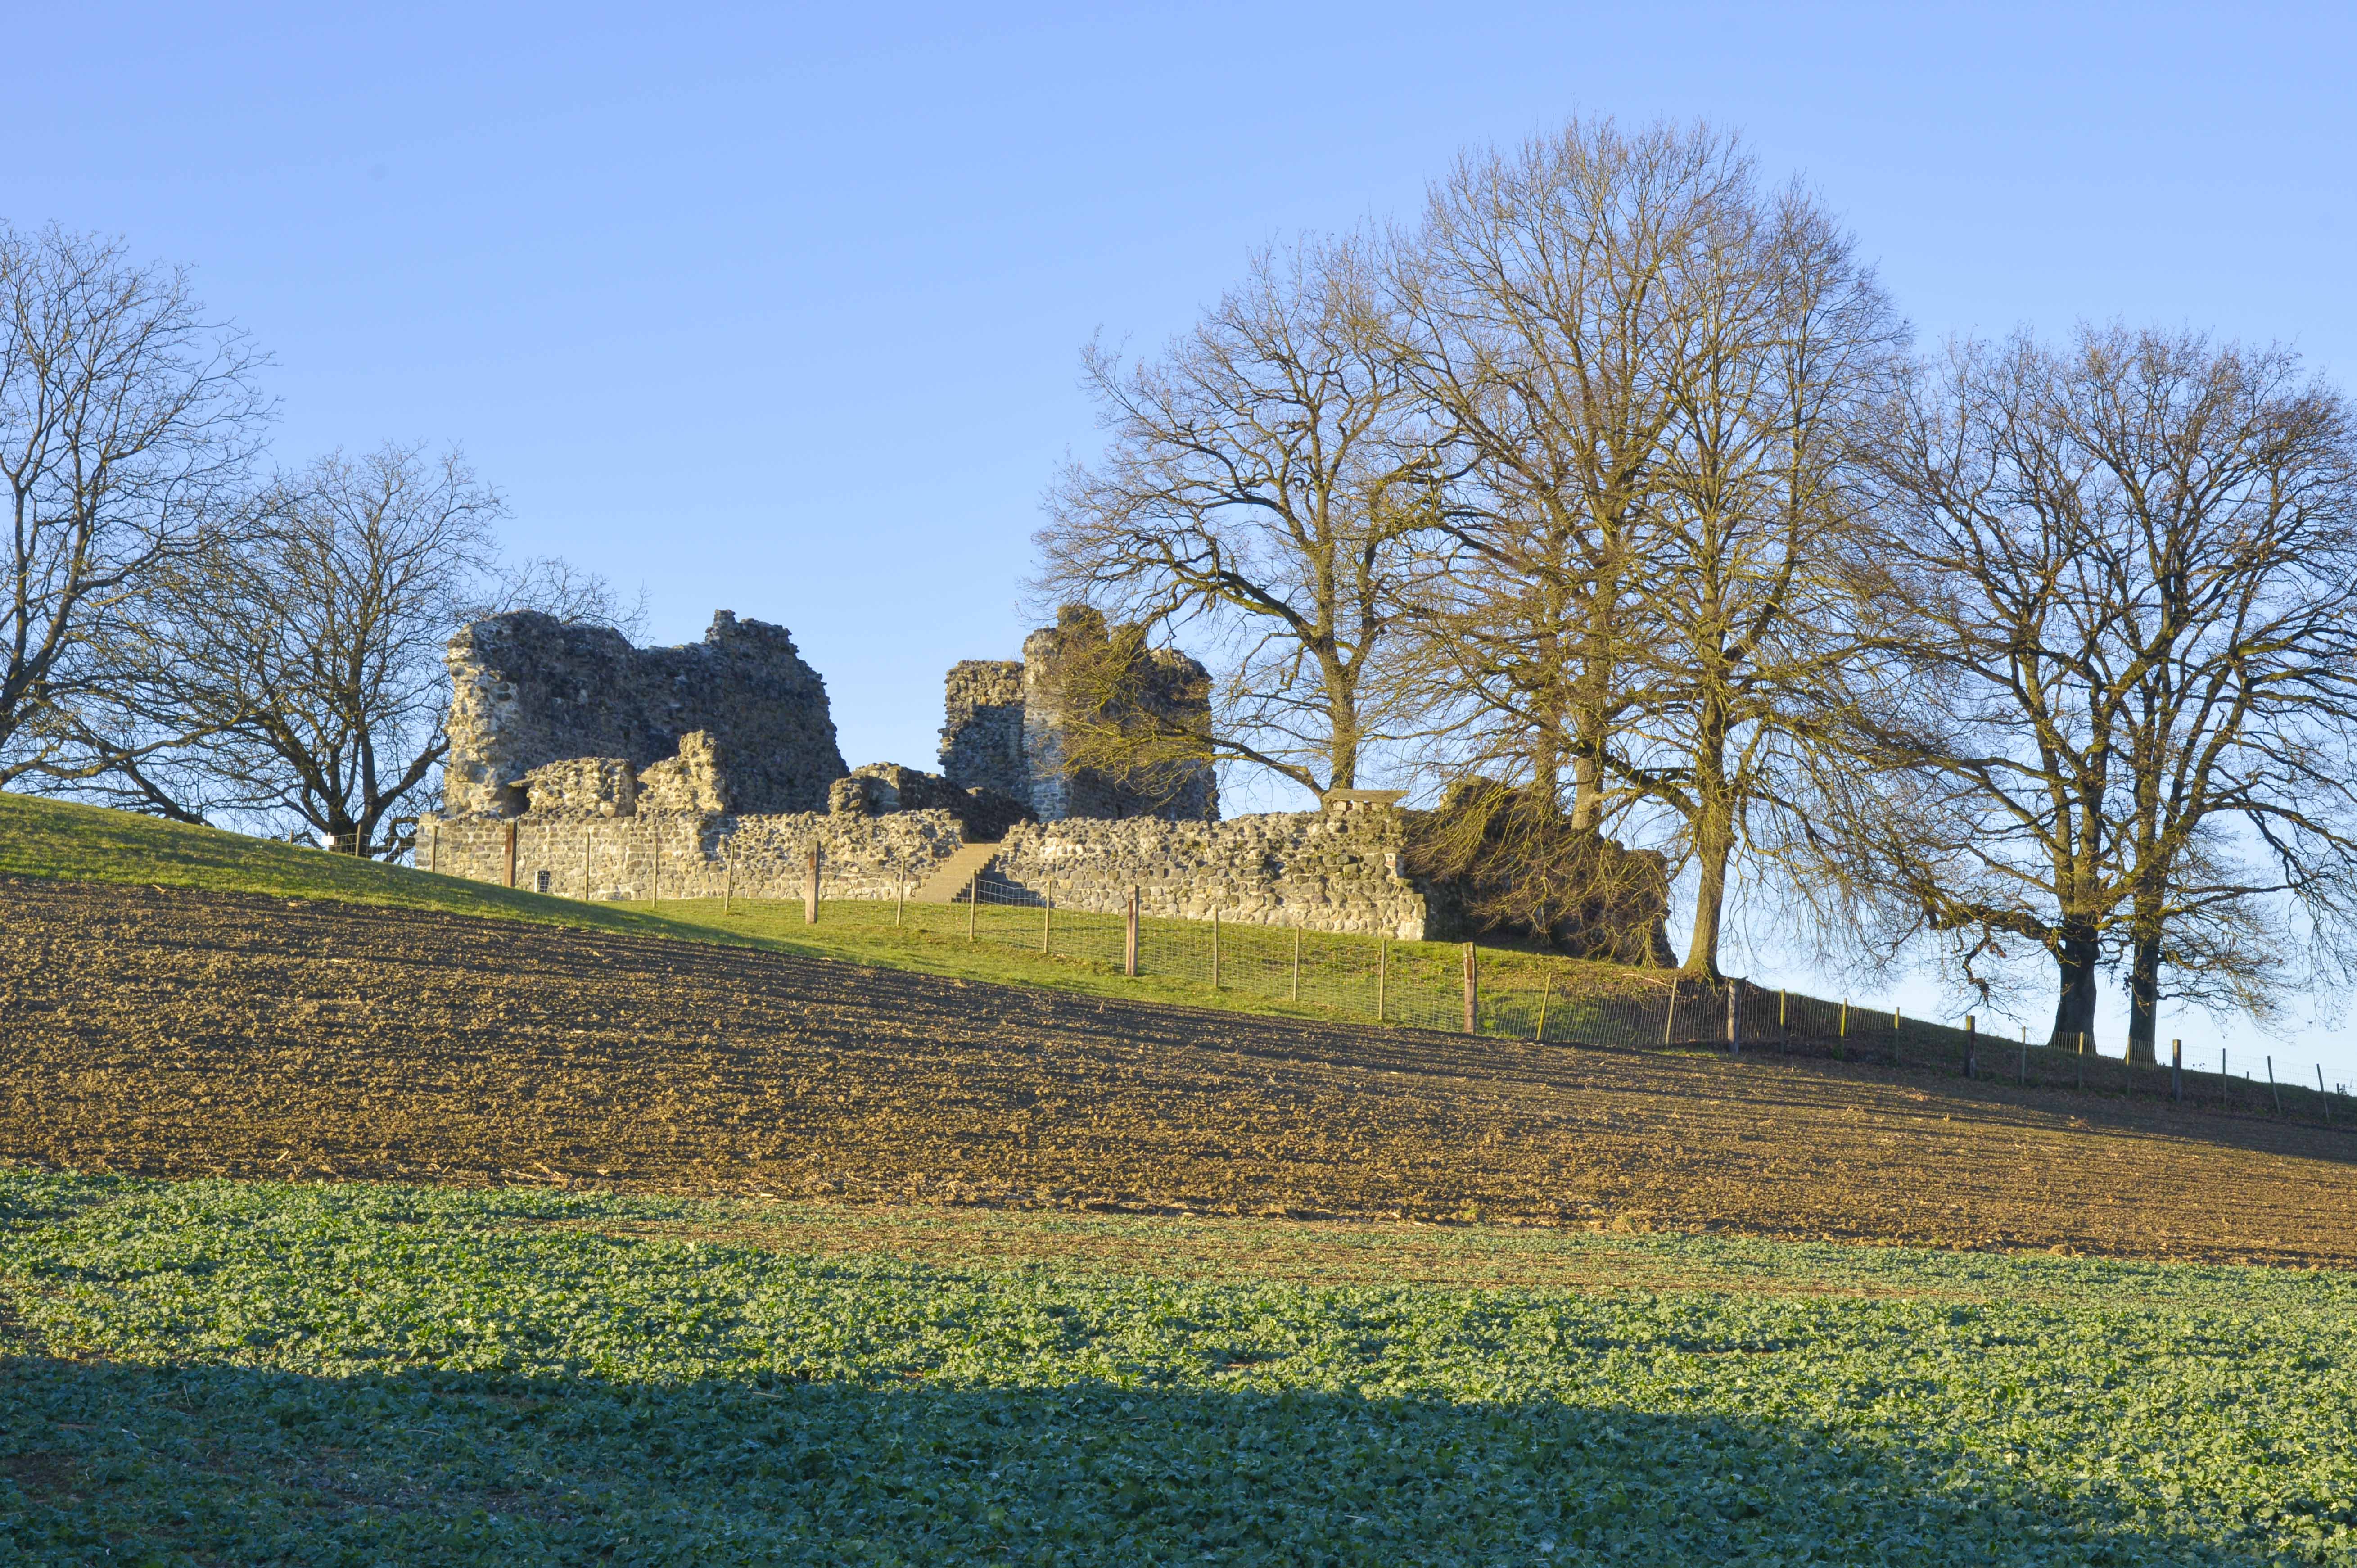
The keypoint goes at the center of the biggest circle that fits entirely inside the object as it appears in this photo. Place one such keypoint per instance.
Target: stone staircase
(948, 882)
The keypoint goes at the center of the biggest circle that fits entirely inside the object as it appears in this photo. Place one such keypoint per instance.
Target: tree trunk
(1587, 770)
(1342, 752)
(1714, 832)
(2074, 1008)
(1710, 899)
(2144, 993)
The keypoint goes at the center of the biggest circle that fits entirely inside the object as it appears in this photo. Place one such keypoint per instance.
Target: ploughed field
(190, 1033)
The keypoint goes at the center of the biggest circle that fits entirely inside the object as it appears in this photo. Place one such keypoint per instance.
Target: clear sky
(777, 309)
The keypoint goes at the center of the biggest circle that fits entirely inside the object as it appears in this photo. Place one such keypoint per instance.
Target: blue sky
(778, 309)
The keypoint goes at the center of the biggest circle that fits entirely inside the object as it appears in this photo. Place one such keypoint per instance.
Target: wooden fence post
(1215, 950)
(1539, 1034)
(2079, 1058)
(728, 874)
(2272, 1087)
(1783, 1030)
(1841, 1039)
(654, 865)
(1296, 963)
(2177, 1072)
(2321, 1098)
(1894, 1036)
(1383, 973)
(1735, 1017)
(1670, 1023)
(584, 865)
(1972, 1034)
(434, 847)
(511, 851)
(899, 897)
(1472, 993)
(1047, 927)
(973, 902)
(1129, 938)
(810, 891)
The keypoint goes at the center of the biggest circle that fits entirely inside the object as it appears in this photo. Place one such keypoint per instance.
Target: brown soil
(183, 1033)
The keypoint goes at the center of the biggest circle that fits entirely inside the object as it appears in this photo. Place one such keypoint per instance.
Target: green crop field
(215, 1372)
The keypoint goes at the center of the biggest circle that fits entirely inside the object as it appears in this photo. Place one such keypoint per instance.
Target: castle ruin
(528, 691)
(582, 766)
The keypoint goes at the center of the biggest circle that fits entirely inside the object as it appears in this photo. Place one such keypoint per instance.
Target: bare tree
(2116, 578)
(311, 649)
(2226, 536)
(127, 417)
(2004, 728)
(1744, 633)
(1545, 326)
(1657, 375)
(1260, 478)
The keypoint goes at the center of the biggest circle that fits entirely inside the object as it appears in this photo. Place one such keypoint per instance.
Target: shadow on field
(181, 1463)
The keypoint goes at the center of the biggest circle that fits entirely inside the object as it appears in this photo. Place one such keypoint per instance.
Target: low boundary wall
(1335, 870)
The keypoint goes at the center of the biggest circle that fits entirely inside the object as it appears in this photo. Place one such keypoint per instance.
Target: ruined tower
(529, 690)
(1011, 725)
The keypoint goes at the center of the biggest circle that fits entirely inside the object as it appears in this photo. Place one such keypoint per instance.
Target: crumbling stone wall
(690, 781)
(689, 855)
(583, 787)
(1340, 869)
(1010, 724)
(1323, 871)
(1335, 870)
(982, 739)
(591, 768)
(880, 788)
(528, 689)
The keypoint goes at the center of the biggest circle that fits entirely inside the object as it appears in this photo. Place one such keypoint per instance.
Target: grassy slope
(88, 844)
(211, 1371)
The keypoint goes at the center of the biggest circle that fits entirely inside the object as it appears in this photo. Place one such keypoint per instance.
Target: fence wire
(1555, 1001)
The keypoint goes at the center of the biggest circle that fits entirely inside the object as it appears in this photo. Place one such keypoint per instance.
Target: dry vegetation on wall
(183, 1033)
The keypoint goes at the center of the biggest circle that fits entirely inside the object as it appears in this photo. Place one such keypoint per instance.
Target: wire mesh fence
(1504, 993)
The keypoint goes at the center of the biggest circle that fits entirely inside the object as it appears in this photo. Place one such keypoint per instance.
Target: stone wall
(982, 735)
(687, 854)
(528, 689)
(1322, 871)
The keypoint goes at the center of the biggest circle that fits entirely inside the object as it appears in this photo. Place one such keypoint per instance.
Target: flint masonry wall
(1330, 871)
(582, 766)
(1322, 871)
(686, 854)
(528, 689)
(982, 735)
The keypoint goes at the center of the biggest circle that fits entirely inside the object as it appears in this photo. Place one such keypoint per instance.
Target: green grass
(76, 842)
(212, 1371)
(73, 843)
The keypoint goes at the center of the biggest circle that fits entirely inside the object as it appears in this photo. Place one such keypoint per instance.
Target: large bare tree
(2116, 576)
(1547, 327)
(1744, 647)
(1259, 481)
(1656, 375)
(2227, 537)
(308, 650)
(128, 419)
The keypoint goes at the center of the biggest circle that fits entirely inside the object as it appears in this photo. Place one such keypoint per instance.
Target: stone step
(947, 883)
